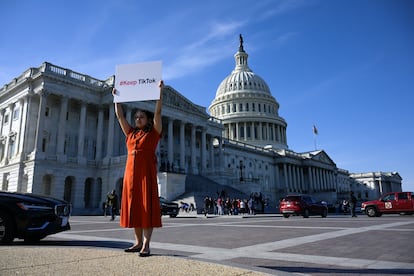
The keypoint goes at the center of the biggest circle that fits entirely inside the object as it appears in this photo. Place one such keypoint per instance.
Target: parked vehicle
(31, 217)
(303, 205)
(390, 203)
(169, 208)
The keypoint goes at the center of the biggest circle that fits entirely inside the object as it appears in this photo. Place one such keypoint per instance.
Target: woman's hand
(161, 84)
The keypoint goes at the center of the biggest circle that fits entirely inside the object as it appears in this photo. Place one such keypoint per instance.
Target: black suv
(169, 208)
(31, 217)
(304, 205)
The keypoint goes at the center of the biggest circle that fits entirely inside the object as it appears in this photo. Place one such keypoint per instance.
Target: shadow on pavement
(330, 271)
(75, 243)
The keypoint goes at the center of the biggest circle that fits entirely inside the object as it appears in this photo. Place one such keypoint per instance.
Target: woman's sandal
(133, 249)
(145, 253)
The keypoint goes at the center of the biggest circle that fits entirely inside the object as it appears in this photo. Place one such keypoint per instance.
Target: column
(315, 180)
(311, 187)
(62, 127)
(277, 179)
(286, 177)
(1, 131)
(293, 173)
(81, 137)
(170, 144)
(277, 134)
(7, 149)
(203, 151)
(40, 122)
(302, 180)
(211, 143)
(260, 131)
(182, 146)
(99, 133)
(245, 131)
(193, 150)
(22, 125)
(110, 139)
(221, 160)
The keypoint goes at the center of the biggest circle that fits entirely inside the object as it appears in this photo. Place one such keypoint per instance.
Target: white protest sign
(137, 82)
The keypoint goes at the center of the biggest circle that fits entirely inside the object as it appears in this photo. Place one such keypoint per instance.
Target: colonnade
(310, 179)
(256, 131)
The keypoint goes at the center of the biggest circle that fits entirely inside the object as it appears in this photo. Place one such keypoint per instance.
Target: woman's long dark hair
(150, 120)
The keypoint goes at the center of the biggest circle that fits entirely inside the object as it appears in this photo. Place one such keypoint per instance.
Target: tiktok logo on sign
(140, 81)
(146, 81)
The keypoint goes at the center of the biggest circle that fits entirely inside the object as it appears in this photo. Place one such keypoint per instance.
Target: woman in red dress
(140, 205)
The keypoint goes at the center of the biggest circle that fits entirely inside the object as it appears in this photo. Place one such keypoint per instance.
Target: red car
(303, 205)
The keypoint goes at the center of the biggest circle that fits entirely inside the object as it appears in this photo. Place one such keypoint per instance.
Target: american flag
(315, 130)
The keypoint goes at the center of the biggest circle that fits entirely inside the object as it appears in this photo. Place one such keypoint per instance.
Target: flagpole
(315, 133)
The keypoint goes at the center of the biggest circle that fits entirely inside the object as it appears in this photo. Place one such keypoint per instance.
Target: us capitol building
(59, 137)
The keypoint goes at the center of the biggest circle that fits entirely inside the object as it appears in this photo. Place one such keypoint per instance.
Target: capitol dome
(246, 107)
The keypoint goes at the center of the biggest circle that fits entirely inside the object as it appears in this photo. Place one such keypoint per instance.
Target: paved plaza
(226, 245)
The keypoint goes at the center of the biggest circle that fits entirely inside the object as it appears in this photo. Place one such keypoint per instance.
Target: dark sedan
(169, 208)
(31, 217)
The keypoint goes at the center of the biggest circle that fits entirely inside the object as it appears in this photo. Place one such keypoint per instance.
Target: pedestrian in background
(352, 203)
(112, 203)
(140, 204)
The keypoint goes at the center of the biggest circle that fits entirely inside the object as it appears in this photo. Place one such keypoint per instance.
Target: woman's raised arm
(125, 126)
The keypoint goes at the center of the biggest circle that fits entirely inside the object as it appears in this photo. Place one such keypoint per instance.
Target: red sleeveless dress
(140, 204)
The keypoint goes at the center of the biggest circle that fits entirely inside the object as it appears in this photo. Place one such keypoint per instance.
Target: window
(12, 148)
(6, 119)
(389, 197)
(247, 106)
(253, 107)
(260, 107)
(240, 107)
(47, 111)
(234, 107)
(402, 196)
(228, 108)
(16, 114)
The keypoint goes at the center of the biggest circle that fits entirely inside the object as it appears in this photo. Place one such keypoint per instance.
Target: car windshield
(292, 198)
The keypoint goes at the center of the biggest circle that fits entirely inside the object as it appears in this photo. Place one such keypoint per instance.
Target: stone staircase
(198, 187)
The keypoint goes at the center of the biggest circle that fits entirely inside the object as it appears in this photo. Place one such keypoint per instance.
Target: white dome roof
(246, 107)
(240, 80)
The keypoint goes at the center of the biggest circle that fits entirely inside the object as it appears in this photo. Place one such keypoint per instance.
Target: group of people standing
(233, 206)
(348, 205)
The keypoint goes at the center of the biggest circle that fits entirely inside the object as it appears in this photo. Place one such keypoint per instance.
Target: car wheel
(285, 215)
(6, 228)
(371, 212)
(306, 213)
(324, 213)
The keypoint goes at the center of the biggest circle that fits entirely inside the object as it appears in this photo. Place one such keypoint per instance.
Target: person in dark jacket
(112, 202)
(352, 203)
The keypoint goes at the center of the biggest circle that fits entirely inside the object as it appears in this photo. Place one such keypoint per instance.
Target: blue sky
(345, 66)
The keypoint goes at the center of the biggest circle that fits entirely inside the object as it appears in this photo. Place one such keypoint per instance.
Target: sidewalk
(47, 260)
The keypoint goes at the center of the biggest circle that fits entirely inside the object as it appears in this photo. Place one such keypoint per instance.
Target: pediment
(319, 155)
(173, 99)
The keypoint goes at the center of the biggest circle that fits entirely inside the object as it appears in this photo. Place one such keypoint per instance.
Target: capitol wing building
(59, 137)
